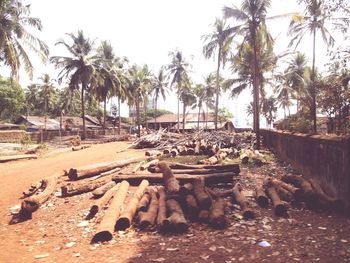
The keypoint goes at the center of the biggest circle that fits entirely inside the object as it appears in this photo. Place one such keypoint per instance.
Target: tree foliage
(12, 99)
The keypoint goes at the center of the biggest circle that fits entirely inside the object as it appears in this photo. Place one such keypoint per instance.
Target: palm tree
(79, 68)
(295, 75)
(109, 75)
(159, 87)
(14, 36)
(269, 109)
(218, 40)
(138, 85)
(47, 92)
(68, 101)
(178, 71)
(252, 28)
(314, 19)
(188, 99)
(199, 92)
(209, 91)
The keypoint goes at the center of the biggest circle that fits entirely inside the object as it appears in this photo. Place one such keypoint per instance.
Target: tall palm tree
(159, 88)
(32, 97)
(251, 26)
(178, 71)
(285, 93)
(138, 86)
(79, 68)
(47, 92)
(218, 40)
(295, 75)
(109, 72)
(209, 91)
(313, 20)
(187, 98)
(16, 25)
(199, 92)
(68, 101)
(269, 110)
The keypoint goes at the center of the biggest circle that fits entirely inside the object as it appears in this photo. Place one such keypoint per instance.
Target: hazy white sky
(145, 32)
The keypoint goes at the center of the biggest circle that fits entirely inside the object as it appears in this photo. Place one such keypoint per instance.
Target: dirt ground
(58, 232)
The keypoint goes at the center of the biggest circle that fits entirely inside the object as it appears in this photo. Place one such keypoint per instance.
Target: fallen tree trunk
(100, 203)
(217, 217)
(297, 192)
(280, 208)
(204, 199)
(161, 217)
(210, 179)
(95, 169)
(245, 205)
(203, 216)
(228, 167)
(308, 195)
(170, 182)
(128, 213)
(147, 219)
(153, 153)
(199, 171)
(81, 187)
(144, 202)
(10, 158)
(32, 189)
(107, 226)
(148, 164)
(260, 196)
(98, 192)
(31, 204)
(176, 222)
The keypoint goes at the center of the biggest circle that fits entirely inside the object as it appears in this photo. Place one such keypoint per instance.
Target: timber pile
(10, 158)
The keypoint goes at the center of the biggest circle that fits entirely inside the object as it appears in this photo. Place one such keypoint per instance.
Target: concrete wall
(323, 157)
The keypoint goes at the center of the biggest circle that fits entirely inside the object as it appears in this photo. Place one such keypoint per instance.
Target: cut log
(147, 219)
(227, 167)
(137, 167)
(190, 151)
(174, 152)
(186, 189)
(80, 147)
(153, 153)
(81, 187)
(197, 147)
(161, 217)
(199, 171)
(31, 204)
(280, 208)
(260, 196)
(109, 172)
(283, 193)
(297, 192)
(191, 207)
(171, 184)
(217, 218)
(10, 158)
(309, 196)
(98, 192)
(100, 203)
(210, 179)
(331, 202)
(33, 189)
(176, 222)
(144, 202)
(128, 213)
(203, 197)
(148, 164)
(95, 169)
(245, 205)
(107, 226)
(244, 158)
(203, 216)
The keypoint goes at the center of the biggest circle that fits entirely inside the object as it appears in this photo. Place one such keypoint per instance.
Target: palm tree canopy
(178, 68)
(15, 38)
(160, 85)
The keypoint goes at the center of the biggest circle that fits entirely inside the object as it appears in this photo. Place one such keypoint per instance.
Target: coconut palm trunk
(217, 89)
(145, 112)
(183, 117)
(256, 92)
(104, 115)
(313, 91)
(155, 113)
(120, 119)
(199, 112)
(138, 117)
(83, 109)
(178, 109)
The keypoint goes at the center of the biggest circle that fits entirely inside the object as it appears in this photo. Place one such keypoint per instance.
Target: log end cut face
(102, 236)
(122, 224)
(30, 206)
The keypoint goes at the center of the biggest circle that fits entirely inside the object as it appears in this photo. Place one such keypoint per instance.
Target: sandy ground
(55, 233)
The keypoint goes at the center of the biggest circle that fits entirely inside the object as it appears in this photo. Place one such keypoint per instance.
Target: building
(192, 122)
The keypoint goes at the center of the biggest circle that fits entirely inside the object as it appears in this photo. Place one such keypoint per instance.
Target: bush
(296, 123)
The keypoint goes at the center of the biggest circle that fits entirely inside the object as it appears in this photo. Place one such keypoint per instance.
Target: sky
(146, 31)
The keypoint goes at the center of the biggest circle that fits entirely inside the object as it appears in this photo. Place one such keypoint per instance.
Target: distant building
(205, 121)
(150, 104)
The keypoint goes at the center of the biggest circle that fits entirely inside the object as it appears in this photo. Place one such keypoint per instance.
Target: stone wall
(324, 157)
(12, 136)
